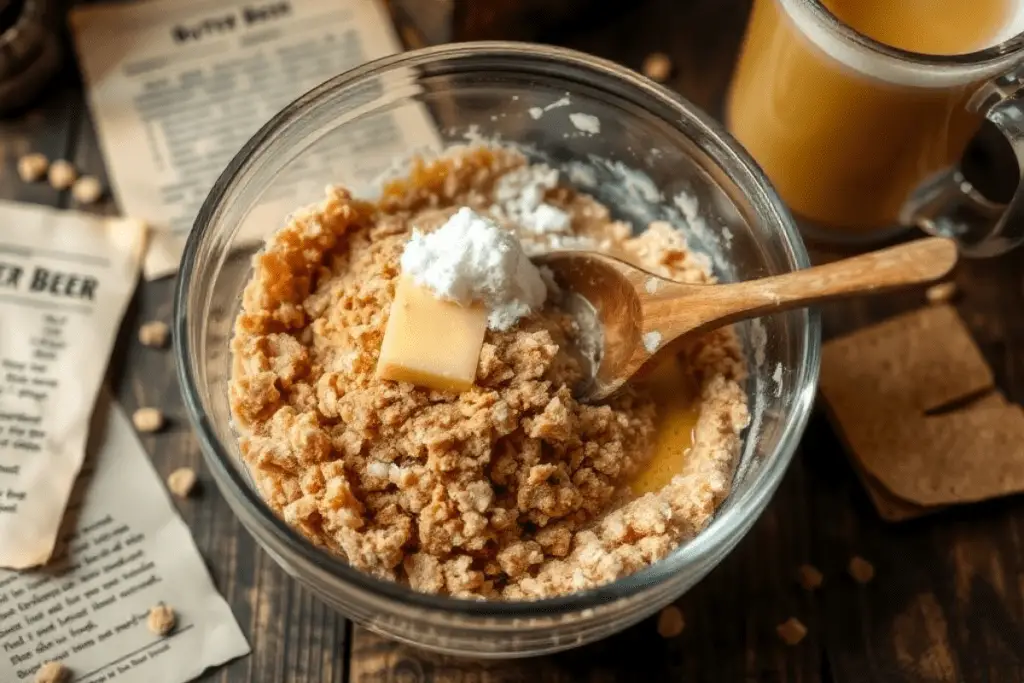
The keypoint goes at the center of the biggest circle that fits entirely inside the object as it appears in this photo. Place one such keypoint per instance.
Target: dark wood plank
(946, 604)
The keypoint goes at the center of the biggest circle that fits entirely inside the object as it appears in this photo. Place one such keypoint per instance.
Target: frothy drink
(844, 137)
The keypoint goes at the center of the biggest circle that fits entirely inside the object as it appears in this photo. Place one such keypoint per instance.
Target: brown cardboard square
(880, 382)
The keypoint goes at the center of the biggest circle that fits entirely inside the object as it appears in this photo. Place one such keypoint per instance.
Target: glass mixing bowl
(655, 157)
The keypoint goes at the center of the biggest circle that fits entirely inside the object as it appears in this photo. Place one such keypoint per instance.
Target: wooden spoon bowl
(640, 313)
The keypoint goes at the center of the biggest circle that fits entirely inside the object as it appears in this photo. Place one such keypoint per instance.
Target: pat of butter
(431, 342)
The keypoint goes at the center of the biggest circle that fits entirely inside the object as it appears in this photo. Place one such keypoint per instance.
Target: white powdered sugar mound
(519, 199)
(472, 259)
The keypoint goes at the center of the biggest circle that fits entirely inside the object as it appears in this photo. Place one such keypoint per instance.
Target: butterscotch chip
(161, 619)
(181, 481)
(941, 293)
(87, 190)
(861, 570)
(32, 167)
(908, 410)
(670, 622)
(809, 577)
(791, 631)
(62, 174)
(154, 333)
(148, 420)
(657, 66)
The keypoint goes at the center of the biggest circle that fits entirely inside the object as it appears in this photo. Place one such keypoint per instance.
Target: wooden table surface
(947, 603)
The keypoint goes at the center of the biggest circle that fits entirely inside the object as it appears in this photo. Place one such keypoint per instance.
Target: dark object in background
(31, 50)
(430, 22)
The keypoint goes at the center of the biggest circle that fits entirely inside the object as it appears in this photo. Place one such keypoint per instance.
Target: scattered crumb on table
(791, 631)
(32, 167)
(155, 334)
(87, 190)
(62, 174)
(657, 66)
(809, 577)
(52, 672)
(161, 619)
(181, 481)
(670, 622)
(148, 420)
(861, 570)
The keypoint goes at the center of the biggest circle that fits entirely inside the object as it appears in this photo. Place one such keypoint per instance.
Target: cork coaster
(915, 403)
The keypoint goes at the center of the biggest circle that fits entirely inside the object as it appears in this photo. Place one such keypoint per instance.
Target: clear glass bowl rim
(723, 528)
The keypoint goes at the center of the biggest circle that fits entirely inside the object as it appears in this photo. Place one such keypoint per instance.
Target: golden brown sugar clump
(509, 490)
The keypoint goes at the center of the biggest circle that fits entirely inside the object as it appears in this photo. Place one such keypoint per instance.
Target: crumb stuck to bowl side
(510, 489)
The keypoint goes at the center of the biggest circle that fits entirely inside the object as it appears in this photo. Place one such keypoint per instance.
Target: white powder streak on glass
(652, 340)
(519, 199)
(471, 259)
(586, 123)
(563, 102)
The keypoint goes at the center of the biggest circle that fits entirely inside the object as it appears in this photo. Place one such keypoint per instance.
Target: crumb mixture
(509, 490)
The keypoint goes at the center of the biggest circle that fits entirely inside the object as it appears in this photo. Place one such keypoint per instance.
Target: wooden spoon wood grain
(641, 313)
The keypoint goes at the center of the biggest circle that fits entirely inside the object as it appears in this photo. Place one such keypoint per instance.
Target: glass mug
(861, 138)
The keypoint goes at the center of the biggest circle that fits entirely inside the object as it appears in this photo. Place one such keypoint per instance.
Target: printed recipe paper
(123, 550)
(65, 280)
(176, 88)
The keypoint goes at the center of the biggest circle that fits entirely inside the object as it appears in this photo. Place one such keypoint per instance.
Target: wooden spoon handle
(913, 263)
(918, 262)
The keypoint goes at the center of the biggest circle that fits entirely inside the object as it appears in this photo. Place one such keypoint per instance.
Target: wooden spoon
(641, 313)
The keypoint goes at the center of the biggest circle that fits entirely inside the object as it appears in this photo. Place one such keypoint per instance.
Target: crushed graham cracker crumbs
(861, 570)
(181, 481)
(809, 577)
(148, 420)
(791, 631)
(509, 490)
(670, 622)
(154, 334)
(161, 619)
(941, 293)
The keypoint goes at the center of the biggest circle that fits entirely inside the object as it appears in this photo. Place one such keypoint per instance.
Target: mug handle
(950, 206)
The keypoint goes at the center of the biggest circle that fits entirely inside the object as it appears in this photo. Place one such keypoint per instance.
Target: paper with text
(123, 549)
(177, 87)
(65, 280)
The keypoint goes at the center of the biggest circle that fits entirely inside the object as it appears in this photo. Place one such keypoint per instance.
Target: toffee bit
(670, 622)
(52, 672)
(657, 66)
(62, 174)
(32, 167)
(161, 619)
(87, 190)
(809, 577)
(181, 481)
(791, 631)
(861, 570)
(154, 334)
(148, 420)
